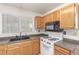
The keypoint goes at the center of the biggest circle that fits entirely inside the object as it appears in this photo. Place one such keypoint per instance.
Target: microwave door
(50, 28)
(56, 27)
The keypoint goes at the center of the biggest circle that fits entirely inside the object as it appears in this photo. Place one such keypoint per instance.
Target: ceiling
(35, 7)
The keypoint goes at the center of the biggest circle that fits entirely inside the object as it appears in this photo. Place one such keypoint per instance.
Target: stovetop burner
(46, 37)
(53, 39)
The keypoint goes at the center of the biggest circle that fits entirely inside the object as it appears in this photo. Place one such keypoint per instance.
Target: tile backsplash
(72, 32)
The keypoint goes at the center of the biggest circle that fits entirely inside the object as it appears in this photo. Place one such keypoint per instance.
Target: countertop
(14, 42)
(67, 45)
(17, 41)
(6, 40)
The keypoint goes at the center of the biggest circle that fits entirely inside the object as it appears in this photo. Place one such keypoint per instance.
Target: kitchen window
(13, 24)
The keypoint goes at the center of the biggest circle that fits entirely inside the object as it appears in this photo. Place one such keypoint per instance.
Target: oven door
(46, 49)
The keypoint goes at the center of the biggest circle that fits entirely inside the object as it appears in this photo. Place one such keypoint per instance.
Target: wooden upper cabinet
(44, 17)
(47, 18)
(56, 15)
(65, 15)
(39, 22)
(50, 17)
(68, 17)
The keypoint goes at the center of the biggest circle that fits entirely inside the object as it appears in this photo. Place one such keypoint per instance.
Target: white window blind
(13, 24)
(26, 24)
(10, 24)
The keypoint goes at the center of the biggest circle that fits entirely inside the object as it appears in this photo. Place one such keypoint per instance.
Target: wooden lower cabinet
(26, 47)
(36, 46)
(13, 49)
(21, 48)
(3, 49)
(61, 51)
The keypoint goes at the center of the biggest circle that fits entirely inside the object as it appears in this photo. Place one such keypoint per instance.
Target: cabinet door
(47, 18)
(55, 15)
(13, 49)
(50, 17)
(42, 23)
(26, 48)
(67, 17)
(58, 50)
(3, 50)
(44, 17)
(58, 15)
(39, 22)
(36, 45)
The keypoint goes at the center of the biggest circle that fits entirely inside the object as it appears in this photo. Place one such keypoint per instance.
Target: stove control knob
(49, 43)
(44, 41)
(41, 39)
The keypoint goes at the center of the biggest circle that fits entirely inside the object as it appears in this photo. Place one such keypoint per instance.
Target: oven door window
(46, 47)
(48, 50)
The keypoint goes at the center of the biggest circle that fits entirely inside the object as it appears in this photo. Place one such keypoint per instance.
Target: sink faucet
(20, 34)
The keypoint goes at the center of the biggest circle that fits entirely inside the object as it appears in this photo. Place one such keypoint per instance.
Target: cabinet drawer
(58, 53)
(62, 50)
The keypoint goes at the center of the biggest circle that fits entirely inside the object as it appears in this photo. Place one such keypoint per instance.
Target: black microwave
(53, 26)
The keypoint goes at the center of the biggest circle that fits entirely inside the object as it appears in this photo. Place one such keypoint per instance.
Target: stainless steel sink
(24, 37)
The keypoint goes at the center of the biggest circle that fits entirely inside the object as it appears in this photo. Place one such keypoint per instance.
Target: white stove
(47, 44)
(49, 40)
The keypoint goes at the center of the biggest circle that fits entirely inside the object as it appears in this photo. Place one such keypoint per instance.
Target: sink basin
(24, 37)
